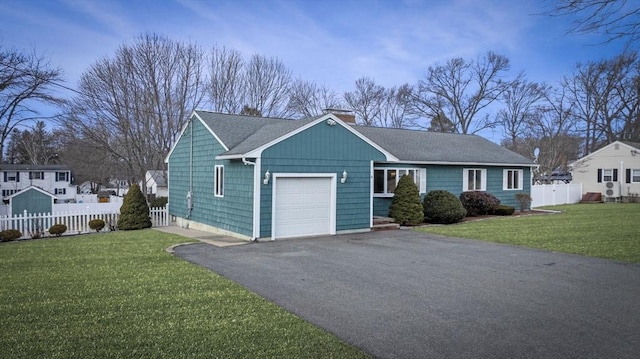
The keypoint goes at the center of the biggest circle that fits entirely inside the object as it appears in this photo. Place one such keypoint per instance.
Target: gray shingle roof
(8, 167)
(242, 134)
(423, 146)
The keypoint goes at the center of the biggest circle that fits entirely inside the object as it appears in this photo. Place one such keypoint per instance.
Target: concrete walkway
(217, 240)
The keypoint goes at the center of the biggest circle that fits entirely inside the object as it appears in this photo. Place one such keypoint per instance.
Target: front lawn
(607, 230)
(120, 295)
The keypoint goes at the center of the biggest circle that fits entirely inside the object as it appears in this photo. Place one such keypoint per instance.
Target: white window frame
(218, 181)
(36, 175)
(65, 176)
(635, 173)
(512, 183)
(607, 173)
(60, 191)
(465, 179)
(12, 176)
(420, 179)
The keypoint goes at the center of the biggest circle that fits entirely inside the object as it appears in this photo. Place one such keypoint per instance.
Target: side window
(218, 181)
(474, 179)
(512, 180)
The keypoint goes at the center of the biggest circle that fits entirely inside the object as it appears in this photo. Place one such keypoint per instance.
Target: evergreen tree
(406, 206)
(134, 213)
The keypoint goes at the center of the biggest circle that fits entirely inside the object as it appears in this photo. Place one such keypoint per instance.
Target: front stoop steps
(384, 223)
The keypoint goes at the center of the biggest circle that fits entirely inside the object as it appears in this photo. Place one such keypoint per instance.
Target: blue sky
(327, 41)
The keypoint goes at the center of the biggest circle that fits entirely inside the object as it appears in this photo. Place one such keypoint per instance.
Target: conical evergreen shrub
(406, 206)
(134, 213)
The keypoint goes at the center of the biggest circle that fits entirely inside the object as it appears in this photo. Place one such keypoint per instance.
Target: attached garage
(303, 205)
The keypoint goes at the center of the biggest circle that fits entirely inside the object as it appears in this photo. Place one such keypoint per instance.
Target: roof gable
(632, 146)
(31, 188)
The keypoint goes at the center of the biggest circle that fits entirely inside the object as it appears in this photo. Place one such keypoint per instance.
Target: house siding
(450, 178)
(324, 149)
(232, 212)
(33, 201)
(585, 170)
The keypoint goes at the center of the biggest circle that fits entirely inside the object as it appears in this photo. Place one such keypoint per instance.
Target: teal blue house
(254, 177)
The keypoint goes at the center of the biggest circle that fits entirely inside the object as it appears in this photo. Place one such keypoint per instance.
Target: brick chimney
(345, 115)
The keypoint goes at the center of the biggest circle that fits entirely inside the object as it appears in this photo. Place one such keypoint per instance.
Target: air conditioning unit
(612, 189)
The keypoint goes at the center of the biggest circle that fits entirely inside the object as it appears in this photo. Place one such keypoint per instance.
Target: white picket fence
(76, 222)
(557, 193)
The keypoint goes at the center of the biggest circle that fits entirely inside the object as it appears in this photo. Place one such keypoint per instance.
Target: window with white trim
(385, 180)
(36, 175)
(12, 177)
(512, 179)
(635, 176)
(475, 179)
(218, 181)
(62, 176)
(607, 175)
(60, 191)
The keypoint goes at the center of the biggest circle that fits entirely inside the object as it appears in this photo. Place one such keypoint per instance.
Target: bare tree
(35, 146)
(226, 80)
(267, 82)
(617, 19)
(366, 101)
(554, 131)
(521, 101)
(307, 99)
(461, 89)
(25, 81)
(606, 94)
(396, 108)
(132, 106)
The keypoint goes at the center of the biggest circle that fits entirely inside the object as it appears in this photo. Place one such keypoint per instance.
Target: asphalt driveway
(402, 294)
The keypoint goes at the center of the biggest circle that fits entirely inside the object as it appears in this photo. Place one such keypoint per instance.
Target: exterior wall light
(267, 176)
(344, 177)
(331, 122)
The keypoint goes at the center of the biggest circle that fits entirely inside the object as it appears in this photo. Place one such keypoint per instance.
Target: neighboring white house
(55, 179)
(613, 170)
(156, 183)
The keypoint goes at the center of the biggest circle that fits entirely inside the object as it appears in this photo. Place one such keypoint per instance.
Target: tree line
(128, 109)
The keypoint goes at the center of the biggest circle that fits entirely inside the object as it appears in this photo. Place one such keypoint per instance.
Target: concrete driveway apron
(403, 294)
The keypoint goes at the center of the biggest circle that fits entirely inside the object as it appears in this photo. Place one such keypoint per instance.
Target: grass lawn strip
(120, 295)
(608, 230)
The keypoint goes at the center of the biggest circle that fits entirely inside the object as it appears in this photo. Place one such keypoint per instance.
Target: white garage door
(303, 206)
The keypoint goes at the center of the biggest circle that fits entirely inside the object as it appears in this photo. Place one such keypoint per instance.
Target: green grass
(120, 295)
(608, 230)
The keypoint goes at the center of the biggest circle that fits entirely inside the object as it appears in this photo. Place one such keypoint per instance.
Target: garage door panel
(302, 206)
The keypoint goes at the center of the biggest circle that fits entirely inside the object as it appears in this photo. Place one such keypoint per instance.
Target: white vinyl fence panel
(554, 194)
(76, 222)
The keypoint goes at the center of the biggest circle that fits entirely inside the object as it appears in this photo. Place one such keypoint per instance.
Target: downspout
(256, 197)
(190, 192)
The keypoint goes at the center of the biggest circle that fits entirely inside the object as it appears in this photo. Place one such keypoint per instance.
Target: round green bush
(503, 210)
(134, 212)
(10, 235)
(478, 203)
(96, 224)
(58, 229)
(443, 207)
(406, 206)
